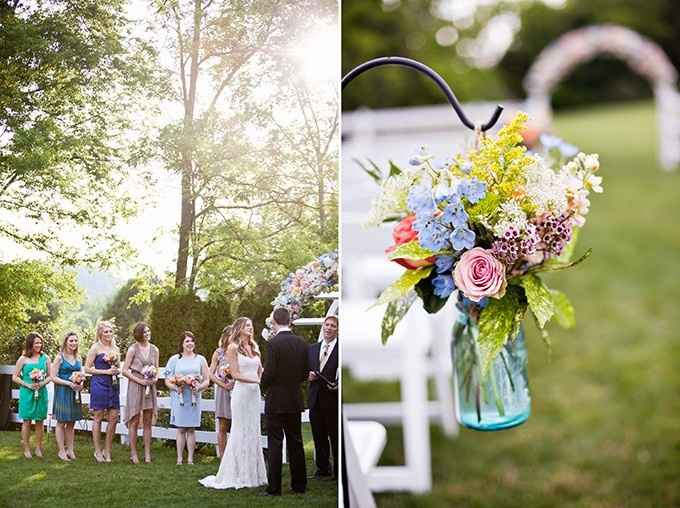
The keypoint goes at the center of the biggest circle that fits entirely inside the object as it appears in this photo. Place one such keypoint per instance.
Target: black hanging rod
(414, 64)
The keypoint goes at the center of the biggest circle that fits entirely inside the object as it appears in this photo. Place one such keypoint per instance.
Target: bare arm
(55, 370)
(169, 384)
(16, 377)
(205, 372)
(89, 364)
(213, 371)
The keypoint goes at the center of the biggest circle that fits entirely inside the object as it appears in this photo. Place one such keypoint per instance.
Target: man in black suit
(323, 398)
(285, 369)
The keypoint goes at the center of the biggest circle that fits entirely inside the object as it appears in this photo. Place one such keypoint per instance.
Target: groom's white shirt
(283, 329)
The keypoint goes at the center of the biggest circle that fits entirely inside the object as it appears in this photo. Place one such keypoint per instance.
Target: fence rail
(202, 436)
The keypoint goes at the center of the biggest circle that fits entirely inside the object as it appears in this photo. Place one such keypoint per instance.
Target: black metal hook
(414, 64)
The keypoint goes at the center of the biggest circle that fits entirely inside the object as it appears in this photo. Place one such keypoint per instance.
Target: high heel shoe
(134, 459)
(27, 454)
(107, 457)
(38, 452)
(71, 455)
(98, 457)
(64, 457)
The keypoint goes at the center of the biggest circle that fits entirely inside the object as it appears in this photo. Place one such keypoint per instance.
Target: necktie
(324, 355)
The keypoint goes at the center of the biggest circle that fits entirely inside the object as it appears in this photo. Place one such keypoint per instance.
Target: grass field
(52, 483)
(605, 424)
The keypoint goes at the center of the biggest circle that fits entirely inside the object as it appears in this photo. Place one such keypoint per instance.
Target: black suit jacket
(286, 369)
(319, 394)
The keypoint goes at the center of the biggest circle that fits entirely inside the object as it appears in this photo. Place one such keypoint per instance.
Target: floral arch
(304, 284)
(642, 56)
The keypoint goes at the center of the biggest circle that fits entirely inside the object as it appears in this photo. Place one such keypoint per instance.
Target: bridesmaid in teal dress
(185, 402)
(67, 408)
(32, 394)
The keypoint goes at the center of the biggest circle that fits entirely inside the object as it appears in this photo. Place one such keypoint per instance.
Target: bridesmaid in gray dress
(141, 393)
(223, 387)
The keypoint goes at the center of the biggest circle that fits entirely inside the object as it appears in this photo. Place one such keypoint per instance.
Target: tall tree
(71, 78)
(224, 51)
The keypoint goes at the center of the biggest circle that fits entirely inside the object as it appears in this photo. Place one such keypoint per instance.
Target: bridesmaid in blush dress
(102, 363)
(141, 392)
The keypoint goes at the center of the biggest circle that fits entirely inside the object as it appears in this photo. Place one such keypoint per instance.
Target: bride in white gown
(242, 464)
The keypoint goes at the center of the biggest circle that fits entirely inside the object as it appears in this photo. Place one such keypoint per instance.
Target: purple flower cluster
(514, 245)
(555, 232)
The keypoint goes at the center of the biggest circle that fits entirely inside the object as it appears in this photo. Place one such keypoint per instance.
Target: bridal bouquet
(78, 378)
(149, 372)
(38, 376)
(486, 224)
(112, 359)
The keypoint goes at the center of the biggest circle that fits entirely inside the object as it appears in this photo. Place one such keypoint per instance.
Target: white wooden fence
(202, 436)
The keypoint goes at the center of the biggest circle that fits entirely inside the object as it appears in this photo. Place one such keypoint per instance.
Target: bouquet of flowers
(302, 285)
(149, 372)
(38, 376)
(78, 378)
(224, 372)
(193, 382)
(486, 224)
(113, 360)
(179, 381)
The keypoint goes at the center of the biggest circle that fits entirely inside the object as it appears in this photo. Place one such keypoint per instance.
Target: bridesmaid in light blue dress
(185, 401)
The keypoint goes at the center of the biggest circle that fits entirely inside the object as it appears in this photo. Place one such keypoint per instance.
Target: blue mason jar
(501, 399)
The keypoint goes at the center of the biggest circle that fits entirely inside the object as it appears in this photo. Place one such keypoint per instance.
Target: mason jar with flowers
(481, 228)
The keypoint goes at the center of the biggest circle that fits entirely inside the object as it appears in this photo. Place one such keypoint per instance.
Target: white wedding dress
(242, 464)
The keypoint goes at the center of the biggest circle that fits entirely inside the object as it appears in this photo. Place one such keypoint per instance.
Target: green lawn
(605, 423)
(83, 483)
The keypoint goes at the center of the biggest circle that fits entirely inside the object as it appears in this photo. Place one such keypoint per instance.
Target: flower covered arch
(305, 283)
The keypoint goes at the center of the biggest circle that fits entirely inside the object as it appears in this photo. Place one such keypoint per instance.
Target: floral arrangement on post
(486, 224)
(302, 285)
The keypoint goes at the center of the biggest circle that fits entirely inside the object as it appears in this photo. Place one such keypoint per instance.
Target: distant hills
(97, 285)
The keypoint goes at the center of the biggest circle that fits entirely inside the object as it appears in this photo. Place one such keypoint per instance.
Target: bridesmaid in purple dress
(102, 362)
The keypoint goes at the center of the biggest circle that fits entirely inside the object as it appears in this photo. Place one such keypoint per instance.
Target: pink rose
(404, 233)
(479, 274)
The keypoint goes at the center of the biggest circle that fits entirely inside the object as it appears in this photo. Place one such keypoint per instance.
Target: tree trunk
(187, 209)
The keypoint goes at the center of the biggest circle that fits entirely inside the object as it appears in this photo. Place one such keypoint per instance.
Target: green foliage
(373, 28)
(403, 285)
(498, 323)
(394, 313)
(126, 312)
(33, 296)
(411, 250)
(71, 77)
(539, 297)
(564, 310)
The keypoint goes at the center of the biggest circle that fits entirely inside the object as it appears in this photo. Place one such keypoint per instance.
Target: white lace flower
(545, 188)
(510, 215)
